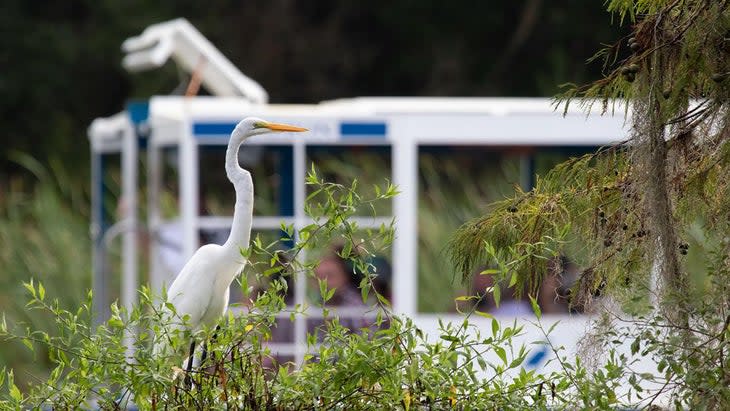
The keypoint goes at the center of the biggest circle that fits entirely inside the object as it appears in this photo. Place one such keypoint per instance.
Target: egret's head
(252, 126)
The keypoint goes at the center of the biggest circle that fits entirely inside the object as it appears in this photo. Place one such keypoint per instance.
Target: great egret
(200, 290)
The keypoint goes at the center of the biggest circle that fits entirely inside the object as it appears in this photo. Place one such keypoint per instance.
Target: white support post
(129, 208)
(98, 256)
(129, 240)
(405, 208)
(189, 197)
(300, 280)
(154, 177)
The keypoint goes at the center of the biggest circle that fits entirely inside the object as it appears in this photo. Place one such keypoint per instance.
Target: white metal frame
(528, 122)
(404, 124)
(484, 122)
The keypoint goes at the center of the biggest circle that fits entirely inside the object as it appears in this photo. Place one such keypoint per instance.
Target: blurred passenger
(381, 271)
(555, 287)
(509, 304)
(339, 273)
(552, 296)
(333, 269)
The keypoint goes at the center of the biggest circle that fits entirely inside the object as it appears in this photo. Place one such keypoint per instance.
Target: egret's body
(205, 298)
(200, 291)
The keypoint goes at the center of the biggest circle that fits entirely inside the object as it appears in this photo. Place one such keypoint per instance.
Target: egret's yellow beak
(283, 127)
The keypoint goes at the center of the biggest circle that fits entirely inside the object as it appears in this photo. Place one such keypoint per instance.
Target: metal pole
(129, 208)
(300, 280)
(154, 176)
(404, 157)
(130, 281)
(188, 175)
(99, 282)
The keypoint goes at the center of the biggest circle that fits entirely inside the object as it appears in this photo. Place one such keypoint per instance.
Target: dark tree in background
(61, 60)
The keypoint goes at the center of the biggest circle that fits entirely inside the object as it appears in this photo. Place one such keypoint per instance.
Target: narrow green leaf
(322, 287)
(330, 293)
(501, 353)
(346, 250)
(450, 338)
(29, 286)
(635, 346)
(552, 327)
(513, 279)
(535, 307)
(483, 314)
(115, 322)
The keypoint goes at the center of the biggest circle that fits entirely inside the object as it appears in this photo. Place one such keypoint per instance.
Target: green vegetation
(44, 234)
(390, 366)
(633, 209)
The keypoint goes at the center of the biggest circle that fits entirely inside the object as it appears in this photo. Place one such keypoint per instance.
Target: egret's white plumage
(200, 291)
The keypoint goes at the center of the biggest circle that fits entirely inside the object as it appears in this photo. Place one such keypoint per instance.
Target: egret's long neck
(243, 213)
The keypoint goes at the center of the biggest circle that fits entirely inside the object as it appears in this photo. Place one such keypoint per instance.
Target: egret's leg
(188, 381)
(190, 359)
(215, 338)
(205, 354)
(215, 334)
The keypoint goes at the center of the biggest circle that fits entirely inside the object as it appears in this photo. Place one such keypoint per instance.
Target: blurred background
(61, 69)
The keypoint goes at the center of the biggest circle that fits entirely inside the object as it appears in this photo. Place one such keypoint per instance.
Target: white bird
(200, 290)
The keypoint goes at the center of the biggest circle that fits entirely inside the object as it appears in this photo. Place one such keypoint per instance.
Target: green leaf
(330, 293)
(482, 363)
(490, 271)
(346, 250)
(535, 307)
(382, 299)
(635, 346)
(115, 322)
(495, 327)
(647, 376)
(313, 194)
(450, 338)
(15, 393)
(496, 293)
(29, 286)
(552, 327)
(41, 291)
(322, 287)
(483, 314)
(513, 279)
(611, 397)
(364, 290)
(501, 353)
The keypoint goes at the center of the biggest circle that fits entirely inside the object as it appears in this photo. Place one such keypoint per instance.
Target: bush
(390, 365)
